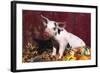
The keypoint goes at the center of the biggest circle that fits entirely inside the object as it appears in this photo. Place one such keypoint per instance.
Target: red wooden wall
(76, 23)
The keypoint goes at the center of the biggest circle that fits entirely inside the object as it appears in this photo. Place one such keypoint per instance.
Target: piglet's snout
(46, 35)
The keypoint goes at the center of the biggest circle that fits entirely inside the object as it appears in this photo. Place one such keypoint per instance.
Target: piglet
(61, 35)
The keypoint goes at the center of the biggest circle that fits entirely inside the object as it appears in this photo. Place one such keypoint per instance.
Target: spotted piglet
(61, 35)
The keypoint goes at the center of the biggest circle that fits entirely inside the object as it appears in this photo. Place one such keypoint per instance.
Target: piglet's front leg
(61, 50)
(54, 51)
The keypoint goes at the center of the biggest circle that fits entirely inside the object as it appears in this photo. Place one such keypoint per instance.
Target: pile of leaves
(32, 54)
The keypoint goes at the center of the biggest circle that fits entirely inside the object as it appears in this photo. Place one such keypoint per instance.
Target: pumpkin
(83, 57)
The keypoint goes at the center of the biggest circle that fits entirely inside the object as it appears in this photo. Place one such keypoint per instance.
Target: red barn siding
(76, 23)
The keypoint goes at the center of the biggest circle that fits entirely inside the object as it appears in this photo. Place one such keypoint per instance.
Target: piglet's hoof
(57, 58)
(52, 56)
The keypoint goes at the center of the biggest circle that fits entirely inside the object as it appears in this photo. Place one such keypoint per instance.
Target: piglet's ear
(45, 20)
(61, 25)
(44, 23)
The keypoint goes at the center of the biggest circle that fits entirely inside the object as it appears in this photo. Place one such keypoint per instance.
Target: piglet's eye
(54, 28)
